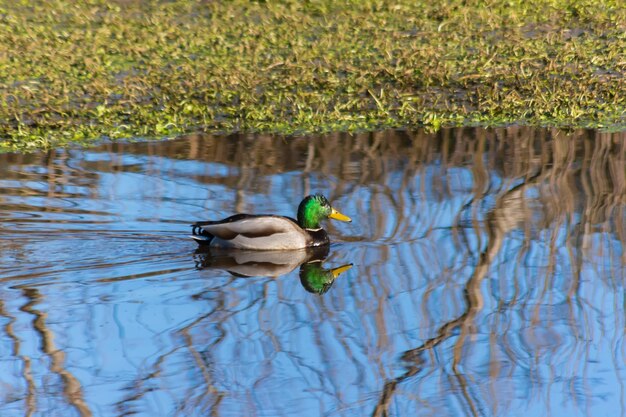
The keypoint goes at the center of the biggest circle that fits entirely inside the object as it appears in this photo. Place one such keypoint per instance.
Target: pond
(487, 277)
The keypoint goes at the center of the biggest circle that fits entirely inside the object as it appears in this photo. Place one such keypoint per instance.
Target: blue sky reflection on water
(488, 278)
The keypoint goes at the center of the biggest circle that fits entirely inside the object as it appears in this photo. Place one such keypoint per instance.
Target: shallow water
(488, 278)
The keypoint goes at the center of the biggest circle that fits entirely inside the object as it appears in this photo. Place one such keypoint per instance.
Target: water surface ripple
(488, 278)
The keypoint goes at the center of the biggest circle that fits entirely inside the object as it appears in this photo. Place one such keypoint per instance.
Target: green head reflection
(316, 279)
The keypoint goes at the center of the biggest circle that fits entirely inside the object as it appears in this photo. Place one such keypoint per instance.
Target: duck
(271, 232)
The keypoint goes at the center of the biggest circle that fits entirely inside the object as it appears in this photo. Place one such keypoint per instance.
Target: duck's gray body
(257, 232)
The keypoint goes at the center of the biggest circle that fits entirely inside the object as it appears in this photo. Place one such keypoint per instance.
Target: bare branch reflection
(489, 269)
(71, 385)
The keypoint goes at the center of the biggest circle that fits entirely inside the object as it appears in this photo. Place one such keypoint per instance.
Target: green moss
(79, 72)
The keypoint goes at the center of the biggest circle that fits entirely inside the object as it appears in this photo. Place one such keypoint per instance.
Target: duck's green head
(315, 208)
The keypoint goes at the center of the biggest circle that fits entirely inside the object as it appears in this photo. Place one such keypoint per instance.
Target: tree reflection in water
(488, 277)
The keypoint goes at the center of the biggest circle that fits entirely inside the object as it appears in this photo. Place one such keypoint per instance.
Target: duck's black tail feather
(201, 236)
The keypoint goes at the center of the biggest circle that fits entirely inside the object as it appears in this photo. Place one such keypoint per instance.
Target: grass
(78, 72)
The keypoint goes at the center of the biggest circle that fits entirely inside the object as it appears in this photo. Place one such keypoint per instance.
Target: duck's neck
(318, 237)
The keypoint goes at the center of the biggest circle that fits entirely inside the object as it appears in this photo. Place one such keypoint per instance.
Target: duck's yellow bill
(334, 214)
(340, 270)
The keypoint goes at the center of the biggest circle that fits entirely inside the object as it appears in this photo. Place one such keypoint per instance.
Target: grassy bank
(78, 72)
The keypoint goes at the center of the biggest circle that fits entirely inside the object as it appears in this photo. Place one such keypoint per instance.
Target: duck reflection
(314, 277)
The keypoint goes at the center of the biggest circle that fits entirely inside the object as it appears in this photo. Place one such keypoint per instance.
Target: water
(488, 278)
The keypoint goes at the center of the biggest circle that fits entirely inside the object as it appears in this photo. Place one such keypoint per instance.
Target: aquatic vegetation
(78, 72)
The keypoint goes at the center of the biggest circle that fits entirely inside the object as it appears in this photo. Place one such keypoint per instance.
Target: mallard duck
(271, 232)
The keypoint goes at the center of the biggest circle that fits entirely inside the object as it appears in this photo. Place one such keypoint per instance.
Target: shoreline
(81, 73)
